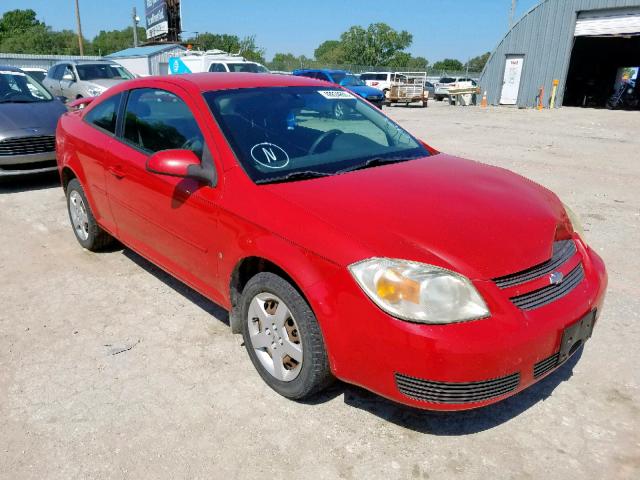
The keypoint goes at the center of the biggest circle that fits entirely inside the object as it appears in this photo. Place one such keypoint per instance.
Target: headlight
(575, 221)
(418, 292)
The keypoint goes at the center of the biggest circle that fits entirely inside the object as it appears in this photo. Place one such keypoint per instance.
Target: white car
(35, 73)
(445, 83)
(383, 80)
(213, 61)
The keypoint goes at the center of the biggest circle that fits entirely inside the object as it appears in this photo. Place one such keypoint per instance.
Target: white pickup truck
(445, 83)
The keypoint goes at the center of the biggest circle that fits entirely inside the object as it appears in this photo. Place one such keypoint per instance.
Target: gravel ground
(111, 369)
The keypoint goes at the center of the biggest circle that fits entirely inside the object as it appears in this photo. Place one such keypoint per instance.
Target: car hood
(480, 220)
(365, 91)
(38, 115)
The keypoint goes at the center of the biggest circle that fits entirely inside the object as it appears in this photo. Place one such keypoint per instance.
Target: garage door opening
(597, 67)
(606, 52)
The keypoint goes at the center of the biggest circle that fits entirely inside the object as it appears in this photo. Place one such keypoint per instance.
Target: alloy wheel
(275, 336)
(79, 216)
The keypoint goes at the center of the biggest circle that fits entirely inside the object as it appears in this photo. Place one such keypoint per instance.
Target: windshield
(285, 133)
(101, 71)
(247, 68)
(351, 81)
(18, 87)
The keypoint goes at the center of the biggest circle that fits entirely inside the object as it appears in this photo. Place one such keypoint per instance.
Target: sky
(441, 29)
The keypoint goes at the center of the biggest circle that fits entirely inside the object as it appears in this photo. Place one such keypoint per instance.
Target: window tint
(157, 120)
(104, 114)
(217, 67)
(68, 70)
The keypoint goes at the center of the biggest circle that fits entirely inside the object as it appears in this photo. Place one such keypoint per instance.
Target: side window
(158, 120)
(104, 115)
(217, 67)
(52, 72)
(323, 76)
(68, 71)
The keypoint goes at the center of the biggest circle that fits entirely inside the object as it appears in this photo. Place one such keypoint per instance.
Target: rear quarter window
(105, 115)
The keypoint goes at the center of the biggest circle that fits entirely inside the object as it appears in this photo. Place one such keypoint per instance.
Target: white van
(213, 61)
(383, 80)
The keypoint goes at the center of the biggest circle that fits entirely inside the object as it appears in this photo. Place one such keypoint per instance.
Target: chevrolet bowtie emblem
(556, 278)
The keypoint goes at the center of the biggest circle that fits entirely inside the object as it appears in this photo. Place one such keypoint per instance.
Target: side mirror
(69, 77)
(180, 163)
(61, 99)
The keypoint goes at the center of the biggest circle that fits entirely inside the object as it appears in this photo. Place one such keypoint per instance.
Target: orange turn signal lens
(393, 287)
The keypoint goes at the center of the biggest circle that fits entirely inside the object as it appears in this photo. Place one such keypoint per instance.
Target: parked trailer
(411, 91)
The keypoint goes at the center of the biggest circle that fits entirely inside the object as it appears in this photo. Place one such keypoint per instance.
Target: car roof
(7, 68)
(205, 82)
(324, 70)
(83, 62)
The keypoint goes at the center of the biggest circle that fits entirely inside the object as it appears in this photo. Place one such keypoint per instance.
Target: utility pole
(136, 19)
(512, 13)
(79, 29)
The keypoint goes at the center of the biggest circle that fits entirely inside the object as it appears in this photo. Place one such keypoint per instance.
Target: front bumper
(491, 358)
(14, 165)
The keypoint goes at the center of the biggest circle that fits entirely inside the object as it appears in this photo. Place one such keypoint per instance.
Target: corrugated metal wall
(37, 61)
(156, 62)
(545, 37)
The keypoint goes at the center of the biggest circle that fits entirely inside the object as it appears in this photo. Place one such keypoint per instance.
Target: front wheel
(283, 338)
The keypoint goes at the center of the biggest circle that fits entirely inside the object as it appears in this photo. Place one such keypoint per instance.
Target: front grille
(27, 145)
(551, 293)
(562, 251)
(444, 392)
(546, 365)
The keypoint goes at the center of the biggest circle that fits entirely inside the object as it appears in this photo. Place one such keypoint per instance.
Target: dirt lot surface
(111, 369)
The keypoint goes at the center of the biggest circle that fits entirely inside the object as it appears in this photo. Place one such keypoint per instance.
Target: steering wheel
(322, 138)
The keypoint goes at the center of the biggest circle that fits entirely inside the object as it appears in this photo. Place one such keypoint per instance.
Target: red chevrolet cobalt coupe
(341, 247)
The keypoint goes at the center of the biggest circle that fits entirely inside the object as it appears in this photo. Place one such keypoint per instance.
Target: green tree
(16, 21)
(406, 61)
(288, 62)
(375, 45)
(330, 52)
(107, 42)
(449, 65)
(229, 43)
(476, 64)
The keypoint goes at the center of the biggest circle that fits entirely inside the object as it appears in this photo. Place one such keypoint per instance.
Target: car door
(52, 81)
(67, 82)
(93, 150)
(171, 221)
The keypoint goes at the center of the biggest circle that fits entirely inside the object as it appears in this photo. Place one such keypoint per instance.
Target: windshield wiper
(303, 175)
(375, 162)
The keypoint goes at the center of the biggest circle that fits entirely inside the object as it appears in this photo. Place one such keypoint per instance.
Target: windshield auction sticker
(335, 94)
(269, 155)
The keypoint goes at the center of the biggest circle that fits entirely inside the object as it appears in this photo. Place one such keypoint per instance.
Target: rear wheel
(86, 229)
(283, 338)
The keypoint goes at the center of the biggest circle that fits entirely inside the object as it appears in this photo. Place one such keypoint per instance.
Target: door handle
(116, 171)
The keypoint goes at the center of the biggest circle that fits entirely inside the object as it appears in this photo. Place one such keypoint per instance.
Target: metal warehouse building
(584, 44)
(147, 60)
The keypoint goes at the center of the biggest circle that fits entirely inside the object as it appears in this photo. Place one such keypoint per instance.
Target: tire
(265, 293)
(439, 98)
(87, 231)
